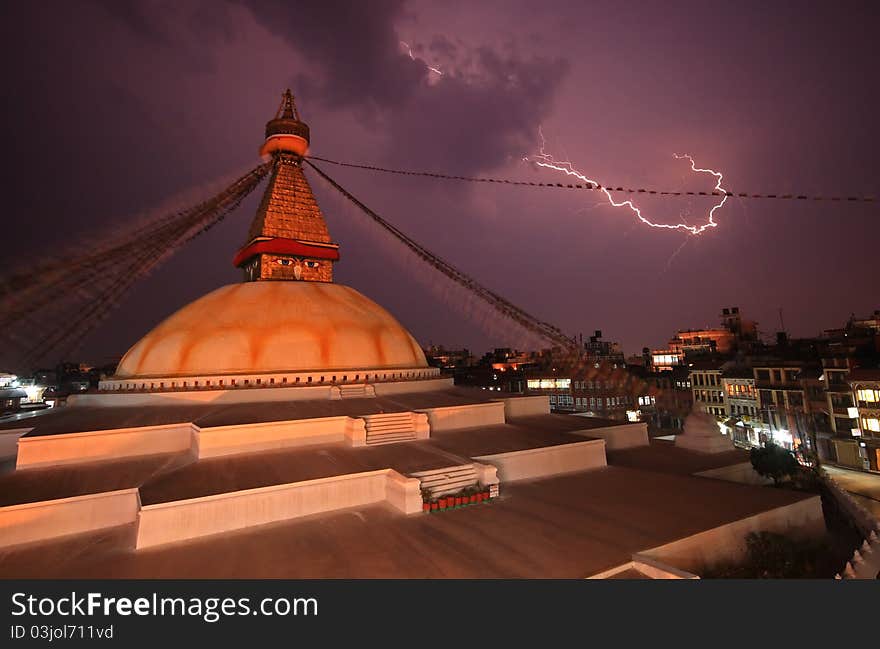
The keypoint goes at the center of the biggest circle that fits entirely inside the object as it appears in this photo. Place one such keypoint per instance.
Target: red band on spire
(285, 247)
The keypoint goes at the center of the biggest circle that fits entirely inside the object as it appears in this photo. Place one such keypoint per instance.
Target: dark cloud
(475, 124)
(140, 18)
(353, 44)
(482, 110)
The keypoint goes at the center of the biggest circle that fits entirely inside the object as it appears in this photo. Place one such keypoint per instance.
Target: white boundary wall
(241, 438)
(620, 436)
(548, 460)
(526, 406)
(465, 416)
(727, 542)
(50, 519)
(187, 519)
(51, 450)
(648, 567)
(92, 446)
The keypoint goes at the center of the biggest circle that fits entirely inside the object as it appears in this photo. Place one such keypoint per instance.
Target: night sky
(112, 107)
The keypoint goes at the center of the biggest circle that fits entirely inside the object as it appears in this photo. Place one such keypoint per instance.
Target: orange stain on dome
(274, 326)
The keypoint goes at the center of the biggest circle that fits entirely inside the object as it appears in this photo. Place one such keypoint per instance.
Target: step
(391, 416)
(447, 480)
(393, 433)
(390, 440)
(356, 391)
(384, 422)
(444, 470)
(450, 489)
(452, 475)
(390, 428)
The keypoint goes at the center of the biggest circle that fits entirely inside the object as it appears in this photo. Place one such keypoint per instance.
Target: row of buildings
(814, 396)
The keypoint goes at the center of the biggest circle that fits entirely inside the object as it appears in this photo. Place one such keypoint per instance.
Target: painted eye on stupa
(285, 262)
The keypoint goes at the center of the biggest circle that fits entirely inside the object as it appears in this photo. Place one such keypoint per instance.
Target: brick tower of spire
(288, 238)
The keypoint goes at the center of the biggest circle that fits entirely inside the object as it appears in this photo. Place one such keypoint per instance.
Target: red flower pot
(486, 495)
(458, 501)
(443, 503)
(473, 498)
(426, 507)
(435, 506)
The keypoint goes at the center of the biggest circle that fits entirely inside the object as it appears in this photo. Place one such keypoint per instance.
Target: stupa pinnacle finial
(287, 109)
(286, 132)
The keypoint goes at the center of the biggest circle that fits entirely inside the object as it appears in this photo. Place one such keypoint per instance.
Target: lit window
(872, 424)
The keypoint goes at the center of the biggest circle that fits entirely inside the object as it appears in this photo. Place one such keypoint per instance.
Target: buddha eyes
(289, 262)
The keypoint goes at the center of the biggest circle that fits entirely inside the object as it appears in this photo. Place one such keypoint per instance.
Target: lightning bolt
(546, 160)
(412, 56)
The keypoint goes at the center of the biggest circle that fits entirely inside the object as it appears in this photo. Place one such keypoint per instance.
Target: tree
(772, 461)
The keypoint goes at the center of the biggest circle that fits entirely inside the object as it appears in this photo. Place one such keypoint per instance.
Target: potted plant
(443, 502)
(458, 499)
(426, 500)
(435, 506)
(472, 495)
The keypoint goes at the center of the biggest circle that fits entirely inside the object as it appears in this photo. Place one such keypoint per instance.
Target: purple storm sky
(112, 107)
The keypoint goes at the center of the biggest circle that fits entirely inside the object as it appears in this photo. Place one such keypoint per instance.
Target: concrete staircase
(390, 428)
(356, 391)
(451, 479)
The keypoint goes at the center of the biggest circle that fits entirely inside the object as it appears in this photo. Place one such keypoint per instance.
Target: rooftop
(177, 476)
(79, 418)
(569, 526)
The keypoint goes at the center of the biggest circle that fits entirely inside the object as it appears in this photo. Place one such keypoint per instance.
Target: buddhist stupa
(287, 314)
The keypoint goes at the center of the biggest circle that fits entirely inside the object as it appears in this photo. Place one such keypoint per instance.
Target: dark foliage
(772, 461)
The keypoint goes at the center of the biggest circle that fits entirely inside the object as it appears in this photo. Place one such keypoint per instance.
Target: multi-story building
(665, 399)
(448, 359)
(782, 403)
(871, 323)
(603, 391)
(707, 388)
(666, 360)
(690, 342)
(734, 334)
(838, 392)
(864, 450)
(603, 351)
(741, 400)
